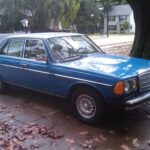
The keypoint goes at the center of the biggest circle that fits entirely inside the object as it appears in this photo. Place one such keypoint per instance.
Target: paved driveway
(31, 120)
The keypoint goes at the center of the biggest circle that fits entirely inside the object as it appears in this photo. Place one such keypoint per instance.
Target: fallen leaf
(84, 133)
(20, 138)
(85, 145)
(71, 141)
(135, 142)
(32, 124)
(33, 146)
(27, 131)
(11, 145)
(97, 140)
(125, 147)
(148, 142)
(102, 138)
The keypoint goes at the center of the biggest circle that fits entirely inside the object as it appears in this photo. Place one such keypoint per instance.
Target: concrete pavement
(112, 39)
(31, 120)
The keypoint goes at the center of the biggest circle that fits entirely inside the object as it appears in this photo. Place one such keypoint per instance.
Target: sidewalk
(114, 44)
(112, 39)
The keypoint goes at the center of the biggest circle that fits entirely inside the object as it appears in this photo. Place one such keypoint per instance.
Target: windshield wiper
(75, 57)
(83, 55)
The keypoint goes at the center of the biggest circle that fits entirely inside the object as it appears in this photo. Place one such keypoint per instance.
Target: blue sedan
(71, 66)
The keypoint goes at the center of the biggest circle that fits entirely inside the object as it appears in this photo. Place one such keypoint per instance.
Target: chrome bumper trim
(138, 99)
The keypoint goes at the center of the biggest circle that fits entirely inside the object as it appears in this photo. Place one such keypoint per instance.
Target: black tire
(3, 86)
(88, 99)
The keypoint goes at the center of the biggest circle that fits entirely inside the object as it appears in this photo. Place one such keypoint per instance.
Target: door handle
(23, 65)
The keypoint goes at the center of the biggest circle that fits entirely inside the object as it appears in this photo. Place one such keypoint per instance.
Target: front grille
(144, 80)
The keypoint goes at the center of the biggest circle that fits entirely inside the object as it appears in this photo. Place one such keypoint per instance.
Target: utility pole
(107, 17)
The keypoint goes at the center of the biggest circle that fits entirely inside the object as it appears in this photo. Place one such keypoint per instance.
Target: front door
(37, 73)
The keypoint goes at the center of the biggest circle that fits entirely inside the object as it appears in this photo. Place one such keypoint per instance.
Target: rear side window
(13, 48)
(34, 48)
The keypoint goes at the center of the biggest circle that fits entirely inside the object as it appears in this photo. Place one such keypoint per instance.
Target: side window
(34, 49)
(5, 49)
(15, 47)
(60, 49)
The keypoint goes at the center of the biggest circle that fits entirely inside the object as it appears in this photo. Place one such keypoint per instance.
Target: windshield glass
(70, 47)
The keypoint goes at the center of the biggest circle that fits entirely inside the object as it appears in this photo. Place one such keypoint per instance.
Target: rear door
(10, 59)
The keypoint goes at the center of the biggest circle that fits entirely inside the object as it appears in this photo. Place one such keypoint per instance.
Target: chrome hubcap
(86, 106)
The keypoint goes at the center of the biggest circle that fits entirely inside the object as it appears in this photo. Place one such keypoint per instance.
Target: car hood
(111, 65)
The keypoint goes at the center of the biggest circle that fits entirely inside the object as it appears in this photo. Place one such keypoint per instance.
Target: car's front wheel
(88, 105)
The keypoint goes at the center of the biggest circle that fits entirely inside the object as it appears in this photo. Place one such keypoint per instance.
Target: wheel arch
(84, 85)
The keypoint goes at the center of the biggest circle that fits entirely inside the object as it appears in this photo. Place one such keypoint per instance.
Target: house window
(111, 18)
(122, 18)
(112, 27)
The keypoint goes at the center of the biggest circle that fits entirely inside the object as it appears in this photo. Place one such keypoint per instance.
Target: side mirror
(42, 58)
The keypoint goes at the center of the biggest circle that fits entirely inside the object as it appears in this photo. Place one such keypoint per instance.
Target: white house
(116, 16)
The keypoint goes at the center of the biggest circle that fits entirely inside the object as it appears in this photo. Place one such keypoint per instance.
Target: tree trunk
(141, 46)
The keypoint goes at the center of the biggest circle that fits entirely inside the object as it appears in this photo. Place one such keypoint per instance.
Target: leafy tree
(12, 14)
(42, 13)
(63, 11)
(71, 8)
(126, 26)
(88, 18)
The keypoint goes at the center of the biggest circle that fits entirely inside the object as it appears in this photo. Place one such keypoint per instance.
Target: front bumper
(137, 101)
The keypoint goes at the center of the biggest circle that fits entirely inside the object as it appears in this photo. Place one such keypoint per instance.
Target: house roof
(119, 10)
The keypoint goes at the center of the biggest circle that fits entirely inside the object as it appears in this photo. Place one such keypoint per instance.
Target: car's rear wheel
(3, 86)
(88, 105)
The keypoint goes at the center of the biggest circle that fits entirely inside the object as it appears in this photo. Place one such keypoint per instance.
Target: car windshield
(71, 47)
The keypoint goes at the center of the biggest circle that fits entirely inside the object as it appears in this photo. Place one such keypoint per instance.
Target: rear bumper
(137, 101)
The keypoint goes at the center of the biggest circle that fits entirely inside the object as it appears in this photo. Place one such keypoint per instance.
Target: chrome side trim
(63, 76)
(58, 75)
(11, 66)
(43, 72)
(138, 99)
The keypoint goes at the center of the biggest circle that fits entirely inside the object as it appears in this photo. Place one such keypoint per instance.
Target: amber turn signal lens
(119, 88)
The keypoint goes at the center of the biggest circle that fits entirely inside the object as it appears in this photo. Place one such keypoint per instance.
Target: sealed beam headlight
(134, 84)
(127, 86)
(130, 85)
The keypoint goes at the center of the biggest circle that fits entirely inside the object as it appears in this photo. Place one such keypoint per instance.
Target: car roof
(44, 35)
